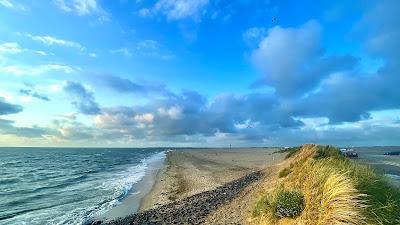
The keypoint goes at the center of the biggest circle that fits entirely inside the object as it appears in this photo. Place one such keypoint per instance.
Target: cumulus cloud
(190, 114)
(8, 108)
(72, 130)
(351, 96)
(292, 59)
(318, 97)
(83, 99)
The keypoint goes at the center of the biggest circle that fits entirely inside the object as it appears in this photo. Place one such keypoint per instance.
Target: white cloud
(181, 9)
(41, 53)
(10, 48)
(29, 70)
(49, 40)
(6, 3)
(6, 96)
(144, 118)
(80, 7)
(9, 4)
(54, 88)
(174, 112)
(283, 53)
(83, 8)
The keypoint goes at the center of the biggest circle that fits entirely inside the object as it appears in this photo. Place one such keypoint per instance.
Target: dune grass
(286, 171)
(290, 151)
(335, 189)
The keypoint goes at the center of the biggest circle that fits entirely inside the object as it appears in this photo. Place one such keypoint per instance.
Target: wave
(122, 182)
(393, 176)
(77, 191)
(396, 164)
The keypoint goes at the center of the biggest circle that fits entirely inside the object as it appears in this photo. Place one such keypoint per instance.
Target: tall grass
(336, 191)
(290, 151)
(383, 200)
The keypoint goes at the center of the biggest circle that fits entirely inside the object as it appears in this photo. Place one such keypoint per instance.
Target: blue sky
(199, 73)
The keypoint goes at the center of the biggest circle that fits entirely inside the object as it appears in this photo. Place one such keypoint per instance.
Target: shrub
(285, 172)
(289, 204)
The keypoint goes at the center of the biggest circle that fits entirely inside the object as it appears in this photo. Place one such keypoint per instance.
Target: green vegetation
(261, 206)
(338, 191)
(288, 204)
(284, 172)
(280, 204)
(290, 151)
(383, 200)
(326, 152)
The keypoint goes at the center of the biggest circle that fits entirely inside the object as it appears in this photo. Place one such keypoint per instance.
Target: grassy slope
(336, 190)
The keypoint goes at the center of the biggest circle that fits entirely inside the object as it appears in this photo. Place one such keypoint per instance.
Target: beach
(203, 184)
(225, 186)
(188, 172)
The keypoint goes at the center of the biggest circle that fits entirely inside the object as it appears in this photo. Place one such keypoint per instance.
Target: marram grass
(335, 190)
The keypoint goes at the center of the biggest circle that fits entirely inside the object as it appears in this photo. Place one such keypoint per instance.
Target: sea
(77, 185)
(388, 165)
(71, 185)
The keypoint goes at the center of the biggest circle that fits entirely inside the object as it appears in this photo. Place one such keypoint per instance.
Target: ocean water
(385, 164)
(68, 186)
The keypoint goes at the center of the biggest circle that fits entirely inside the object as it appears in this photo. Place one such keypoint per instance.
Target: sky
(154, 73)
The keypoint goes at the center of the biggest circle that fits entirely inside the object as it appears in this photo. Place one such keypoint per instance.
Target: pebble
(190, 210)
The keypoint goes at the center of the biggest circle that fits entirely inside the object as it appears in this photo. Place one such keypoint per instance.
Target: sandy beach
(203, 186)
(188, 172)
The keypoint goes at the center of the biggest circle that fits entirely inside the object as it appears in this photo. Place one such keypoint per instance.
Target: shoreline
(189, 172)
(196, 208)
(132, 201)
(204, 186)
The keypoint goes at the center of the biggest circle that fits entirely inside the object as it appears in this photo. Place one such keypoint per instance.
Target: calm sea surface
(67, 186)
